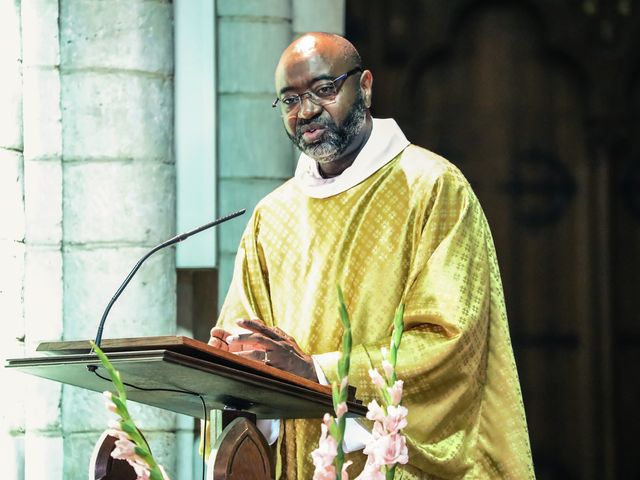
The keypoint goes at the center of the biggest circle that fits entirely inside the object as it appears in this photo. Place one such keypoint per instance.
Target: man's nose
(308, 109)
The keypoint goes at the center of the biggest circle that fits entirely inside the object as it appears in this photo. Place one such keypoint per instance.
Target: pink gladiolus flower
(327, 472)
(344, 475)
(326, 452)
(388, 450)
(141, 469)
(388, 369)
(377, 379)
(125, 449)
(375, 411)
(395, 392)
(396, 418)
(114, 431)
(108, 401)
(327, 420)
(341, 410)
(378, 431)
(371, 471)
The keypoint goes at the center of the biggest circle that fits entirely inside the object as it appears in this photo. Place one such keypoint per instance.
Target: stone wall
(116, 100)
(12, 234)
(87, 185)
(254, 154)
(86, 166)
(43, 237)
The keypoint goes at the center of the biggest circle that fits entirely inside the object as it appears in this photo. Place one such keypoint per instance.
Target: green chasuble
(412, 232)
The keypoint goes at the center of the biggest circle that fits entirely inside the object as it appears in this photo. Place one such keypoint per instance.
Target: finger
(244, 346)
(289, 339)
(282, 333)
(217, 343)
(257, 326)
(252, 341)
(243, 337)
(219, 333)
(257, 355)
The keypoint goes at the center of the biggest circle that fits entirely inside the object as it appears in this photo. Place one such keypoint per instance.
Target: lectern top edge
(188, 346)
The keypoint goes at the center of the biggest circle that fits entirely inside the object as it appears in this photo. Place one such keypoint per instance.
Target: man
(391, 223)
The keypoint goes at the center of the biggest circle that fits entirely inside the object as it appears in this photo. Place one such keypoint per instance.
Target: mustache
(317, 121)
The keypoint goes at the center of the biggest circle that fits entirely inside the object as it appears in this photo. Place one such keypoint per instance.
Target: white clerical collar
(384, 144)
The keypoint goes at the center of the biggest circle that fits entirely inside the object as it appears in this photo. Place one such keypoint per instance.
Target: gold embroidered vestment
(412, 232)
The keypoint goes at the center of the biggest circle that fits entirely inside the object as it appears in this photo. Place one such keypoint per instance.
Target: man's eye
(325, 90)
(290, 100)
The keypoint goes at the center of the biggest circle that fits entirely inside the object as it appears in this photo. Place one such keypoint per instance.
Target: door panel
(519, 95)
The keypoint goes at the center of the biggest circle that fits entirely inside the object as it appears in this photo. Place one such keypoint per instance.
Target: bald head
(329, 46)
(330, 130)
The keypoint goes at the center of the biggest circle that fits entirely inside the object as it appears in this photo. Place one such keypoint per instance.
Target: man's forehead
(299, 68)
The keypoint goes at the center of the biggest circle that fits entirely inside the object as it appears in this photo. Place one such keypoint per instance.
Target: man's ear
(366, 86)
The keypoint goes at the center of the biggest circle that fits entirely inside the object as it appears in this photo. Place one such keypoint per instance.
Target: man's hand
(219, 338)
(269, 345)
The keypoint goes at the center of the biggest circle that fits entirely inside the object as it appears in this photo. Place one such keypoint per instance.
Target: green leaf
(333, 430)
(341, 427)
(344, 393)
(156, 474)
(344, 315)
(346, 349)
(142, 453)
(121, 407)
(385, 396)
(129, 428)
(396, 338)
(398, 325)
(335, 395)
(341, 368)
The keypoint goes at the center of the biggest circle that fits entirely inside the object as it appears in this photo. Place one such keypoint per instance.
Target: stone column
(118, 200)
(12, 248)
(312, 16)
(43, 239)
(254, 155)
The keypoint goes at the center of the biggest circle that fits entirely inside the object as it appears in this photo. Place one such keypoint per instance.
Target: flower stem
(127, 424)
(390, 472)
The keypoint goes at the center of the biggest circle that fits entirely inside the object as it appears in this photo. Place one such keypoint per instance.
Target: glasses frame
(310, 94)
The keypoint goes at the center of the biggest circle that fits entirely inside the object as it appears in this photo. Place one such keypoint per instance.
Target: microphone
(167, 243)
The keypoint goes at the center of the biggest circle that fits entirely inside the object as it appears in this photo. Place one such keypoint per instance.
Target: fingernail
(232, 338)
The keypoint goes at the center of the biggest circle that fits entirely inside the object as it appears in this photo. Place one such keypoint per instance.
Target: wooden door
(519, 95)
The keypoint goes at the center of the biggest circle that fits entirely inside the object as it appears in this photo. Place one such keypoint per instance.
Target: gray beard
(335, 139)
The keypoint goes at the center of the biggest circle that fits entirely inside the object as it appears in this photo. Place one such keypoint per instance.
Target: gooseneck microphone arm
(167, 243)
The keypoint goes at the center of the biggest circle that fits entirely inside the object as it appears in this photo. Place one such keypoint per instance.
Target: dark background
(538, 104)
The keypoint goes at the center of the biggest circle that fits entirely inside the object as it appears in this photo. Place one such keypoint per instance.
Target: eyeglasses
(324, 93)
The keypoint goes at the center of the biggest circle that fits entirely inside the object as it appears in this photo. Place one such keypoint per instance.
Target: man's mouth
(313, 134)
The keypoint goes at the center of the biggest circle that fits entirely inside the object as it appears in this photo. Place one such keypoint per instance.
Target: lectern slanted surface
(188, 365)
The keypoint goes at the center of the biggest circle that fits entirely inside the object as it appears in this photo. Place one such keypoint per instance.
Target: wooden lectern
(245, 390)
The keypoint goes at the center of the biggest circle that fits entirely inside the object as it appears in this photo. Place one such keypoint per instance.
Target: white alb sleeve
(355, 435)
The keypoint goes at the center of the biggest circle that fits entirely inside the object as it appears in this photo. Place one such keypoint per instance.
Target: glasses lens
(289, 102)
(326, 92)
(322, 94)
